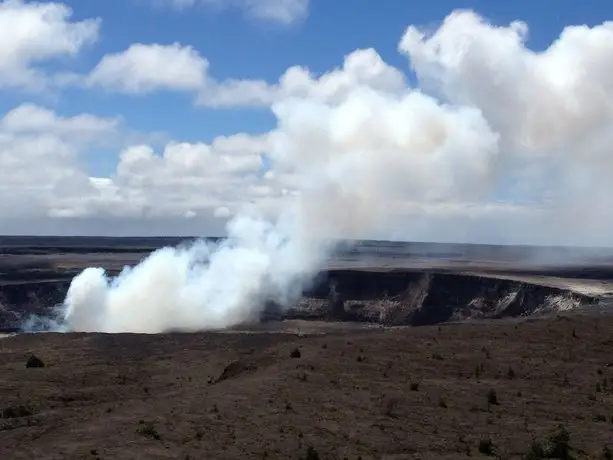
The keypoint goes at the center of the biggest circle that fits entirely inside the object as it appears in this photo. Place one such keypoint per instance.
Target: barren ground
(498, 388)
(355, 392)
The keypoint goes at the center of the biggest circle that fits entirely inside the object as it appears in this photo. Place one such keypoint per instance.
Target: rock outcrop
(425, 298)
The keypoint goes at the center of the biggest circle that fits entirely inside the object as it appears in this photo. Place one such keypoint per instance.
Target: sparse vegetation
(148, 430)
(311, 454)
(391, 405)
(492, 398)
(15, 412)
(557, 446)
(263, 404)
(486, 447)
(511, 373)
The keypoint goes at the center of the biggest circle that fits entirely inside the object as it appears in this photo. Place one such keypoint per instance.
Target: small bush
(311, 454)
(558, 446)
(15, 412)
(537, 451)
(148, 430)
(492, 398)
(414, 386)
(486, 447)
(391, 404)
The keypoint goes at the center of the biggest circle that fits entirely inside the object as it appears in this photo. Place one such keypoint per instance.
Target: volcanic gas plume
(489, 119)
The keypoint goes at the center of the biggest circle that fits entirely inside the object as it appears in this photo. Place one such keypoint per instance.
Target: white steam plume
(497, 114)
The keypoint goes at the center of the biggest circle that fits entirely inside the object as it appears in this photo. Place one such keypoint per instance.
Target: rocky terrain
(508, 389)
(512, 359)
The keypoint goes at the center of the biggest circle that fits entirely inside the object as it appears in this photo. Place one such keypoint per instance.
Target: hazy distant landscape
(35, 273)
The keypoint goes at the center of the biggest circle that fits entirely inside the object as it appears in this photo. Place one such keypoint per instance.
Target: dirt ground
(500, 389)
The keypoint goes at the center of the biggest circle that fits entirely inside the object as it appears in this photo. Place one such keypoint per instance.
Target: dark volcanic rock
(34, 362)
(295, 353)
(423, 298)
(19, 301)
(235, 369)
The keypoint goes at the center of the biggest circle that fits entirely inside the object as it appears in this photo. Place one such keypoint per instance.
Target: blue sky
(240, 47)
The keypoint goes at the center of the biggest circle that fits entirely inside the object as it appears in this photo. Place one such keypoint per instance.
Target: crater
(390, 284)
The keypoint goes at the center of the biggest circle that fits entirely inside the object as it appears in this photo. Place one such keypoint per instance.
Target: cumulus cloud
(147, 68)
(39, 158)
(361, 68)
(186, 176)
(31, 120)
(553, 109)
(496, 142)
(43, 167)
(34, 33)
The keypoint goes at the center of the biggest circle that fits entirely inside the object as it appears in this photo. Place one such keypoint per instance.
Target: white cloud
(361, 68)
(553, 109)
(357, 151)
(278, 11)
(42, 166)
(39, 158)
(147, 68)
(222, 212)
(29, 119)
(33, 33)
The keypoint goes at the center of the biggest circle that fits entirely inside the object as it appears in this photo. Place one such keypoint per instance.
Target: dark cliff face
(20, 301)
(423, 298)
(391, 298)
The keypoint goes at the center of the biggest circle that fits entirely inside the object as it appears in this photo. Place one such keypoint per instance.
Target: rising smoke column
(360, 149)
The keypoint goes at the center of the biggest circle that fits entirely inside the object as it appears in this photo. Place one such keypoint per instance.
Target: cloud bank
(495, 143)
